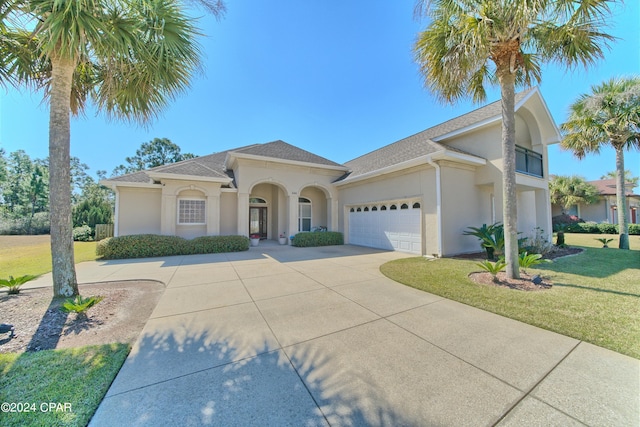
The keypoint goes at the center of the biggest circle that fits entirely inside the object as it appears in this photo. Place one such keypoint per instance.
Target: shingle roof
(607, 187)
(214, 165)
(422, 144)
(282, 150)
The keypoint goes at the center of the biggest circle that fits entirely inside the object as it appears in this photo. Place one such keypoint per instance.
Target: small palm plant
(80, 305)
(527, 260)
(605, 241)
(14, 283)
(493, 267)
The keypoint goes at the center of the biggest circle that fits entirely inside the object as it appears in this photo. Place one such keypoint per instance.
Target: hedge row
(153, 245)
(319, 238)
(599, 228)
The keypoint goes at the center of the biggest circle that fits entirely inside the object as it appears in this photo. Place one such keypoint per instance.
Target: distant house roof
(425, 142)
(214, 166)
(607, 187)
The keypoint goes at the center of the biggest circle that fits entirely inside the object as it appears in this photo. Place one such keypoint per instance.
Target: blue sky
(333, 77)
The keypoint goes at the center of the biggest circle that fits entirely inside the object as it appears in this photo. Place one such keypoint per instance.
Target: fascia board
(233, 156)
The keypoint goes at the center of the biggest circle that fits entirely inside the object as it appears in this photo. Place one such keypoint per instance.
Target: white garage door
(393, 226)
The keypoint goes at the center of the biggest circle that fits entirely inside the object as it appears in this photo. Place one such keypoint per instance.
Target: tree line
(24, 187)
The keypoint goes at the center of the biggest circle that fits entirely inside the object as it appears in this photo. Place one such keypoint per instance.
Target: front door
(258, 221)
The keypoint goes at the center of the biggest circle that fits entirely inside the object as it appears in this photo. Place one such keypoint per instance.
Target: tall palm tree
(130, 57)
(471, 43)
(609, 115)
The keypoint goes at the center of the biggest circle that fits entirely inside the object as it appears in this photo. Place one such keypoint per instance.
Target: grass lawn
(20, 255)
(594, 298)
(78, 377)
(75, 380)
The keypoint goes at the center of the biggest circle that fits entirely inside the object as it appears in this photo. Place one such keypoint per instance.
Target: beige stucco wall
(228, 213)
(318, 205)
(138, 211)
(464, 204)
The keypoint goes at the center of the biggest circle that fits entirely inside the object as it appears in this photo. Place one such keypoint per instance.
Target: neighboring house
(416, 195)
(605, 210)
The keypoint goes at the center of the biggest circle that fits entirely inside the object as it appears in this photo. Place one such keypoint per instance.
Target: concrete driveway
(282, 336)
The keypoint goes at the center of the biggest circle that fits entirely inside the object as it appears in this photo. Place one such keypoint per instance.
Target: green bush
(153, 245)
(218, 244)
(83, 234)
(601, 228)
(318, 238)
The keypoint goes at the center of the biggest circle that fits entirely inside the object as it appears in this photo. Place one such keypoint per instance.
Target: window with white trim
(191, 211)
(304, 214)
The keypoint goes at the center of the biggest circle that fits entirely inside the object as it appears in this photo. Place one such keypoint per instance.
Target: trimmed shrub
(83, 234)
(219, 244)
(602, 228)
(564, 220)
(318, 238)
(153, 245)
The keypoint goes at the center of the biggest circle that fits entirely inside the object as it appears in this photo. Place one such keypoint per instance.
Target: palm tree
(129, 57)
(471, 43)
(609, 115)
(629, 179)
(568, 191)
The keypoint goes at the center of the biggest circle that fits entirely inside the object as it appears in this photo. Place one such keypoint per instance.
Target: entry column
(243, 214)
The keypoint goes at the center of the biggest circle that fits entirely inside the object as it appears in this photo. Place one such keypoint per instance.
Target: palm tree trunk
(621, 202)
(509, 194)
(62, 258)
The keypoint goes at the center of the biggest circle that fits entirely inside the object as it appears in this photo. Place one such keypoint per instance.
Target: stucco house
(416, 195)
(605, 209)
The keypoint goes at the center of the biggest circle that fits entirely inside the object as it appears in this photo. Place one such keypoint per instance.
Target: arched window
(366, 208)
(375, 208)
(404, 206)
(416, 205)
(351, 210)
(257, 200)
(393, 207)
(304, 214)
(358, 210)
(383, 208)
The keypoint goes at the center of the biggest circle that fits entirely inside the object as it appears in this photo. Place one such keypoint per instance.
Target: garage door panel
(388, 229)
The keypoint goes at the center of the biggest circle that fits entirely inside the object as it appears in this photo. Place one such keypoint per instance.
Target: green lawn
(75, 380)
(594, 298)
(20, 255)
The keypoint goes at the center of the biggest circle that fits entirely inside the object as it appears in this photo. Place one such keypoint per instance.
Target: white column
(168, 215)
(293, 214)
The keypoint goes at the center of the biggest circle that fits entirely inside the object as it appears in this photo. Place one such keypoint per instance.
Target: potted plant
(282, 239)
(255, 239)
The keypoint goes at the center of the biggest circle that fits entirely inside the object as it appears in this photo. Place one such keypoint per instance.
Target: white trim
(231, 155)
(181, 177)
(417, 161)
(116, 220)
(438, 205)
(114, 184)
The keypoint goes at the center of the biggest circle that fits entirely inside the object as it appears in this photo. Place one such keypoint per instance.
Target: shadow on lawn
(595, 262)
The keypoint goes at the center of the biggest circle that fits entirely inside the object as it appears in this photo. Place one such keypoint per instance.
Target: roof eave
(183, 177)
(231, 156)
(438, 155)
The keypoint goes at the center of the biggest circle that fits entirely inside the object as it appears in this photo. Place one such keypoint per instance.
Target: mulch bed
(39, 324)
(525, 283)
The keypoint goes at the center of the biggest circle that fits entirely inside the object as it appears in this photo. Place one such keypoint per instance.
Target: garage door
(393, 226)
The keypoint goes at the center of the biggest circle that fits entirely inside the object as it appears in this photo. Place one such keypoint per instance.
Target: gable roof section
(427, 142)
(283, 151)
(213, 167)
